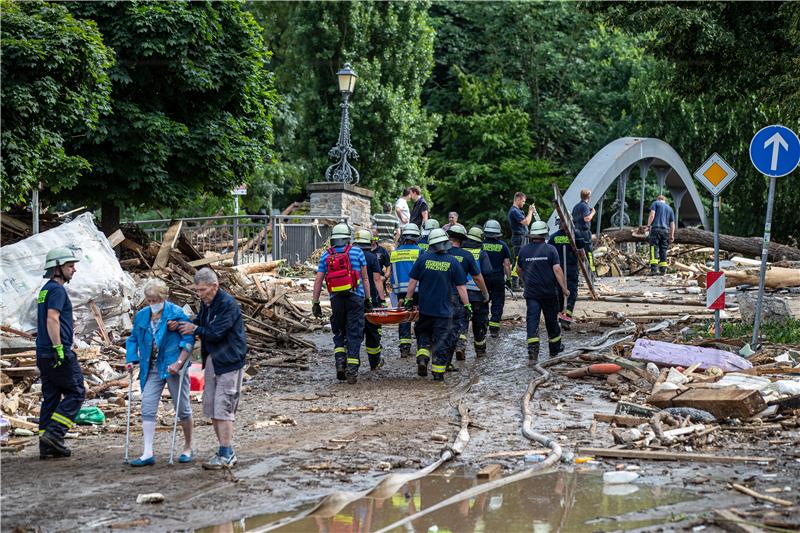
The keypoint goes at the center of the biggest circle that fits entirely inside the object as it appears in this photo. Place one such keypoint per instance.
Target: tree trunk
(109, 217)
(730, 243)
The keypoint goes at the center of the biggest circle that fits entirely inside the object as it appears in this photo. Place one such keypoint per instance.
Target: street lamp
(342, 171)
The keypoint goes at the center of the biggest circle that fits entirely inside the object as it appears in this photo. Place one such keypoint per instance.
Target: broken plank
(621, 420)
(728, 402)
(673, 456)
(210, 260)
(167, 244)
(116, 238)
(732, 522)
(98, 317)
(490, 471)
(22, 424)
(17, 332)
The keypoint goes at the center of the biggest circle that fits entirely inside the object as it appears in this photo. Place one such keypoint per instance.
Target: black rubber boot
(422, 365)
(341, 365)
(554, 348)
(662, 271)
(494, 331)
(47, 452)
(451, 368)
(533, 351)
(461, 349)
(405, 351)
(480, 350)
(54, 444)
(438, 376)
(352, 374)
(376, 362)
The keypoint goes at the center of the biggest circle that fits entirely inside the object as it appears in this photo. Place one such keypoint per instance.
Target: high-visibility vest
(402, 260)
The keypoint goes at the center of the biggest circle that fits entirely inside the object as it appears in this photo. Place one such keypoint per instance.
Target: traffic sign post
(775, 152)
(715, 174)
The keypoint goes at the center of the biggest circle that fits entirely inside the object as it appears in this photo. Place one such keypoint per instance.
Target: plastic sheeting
(98, 277)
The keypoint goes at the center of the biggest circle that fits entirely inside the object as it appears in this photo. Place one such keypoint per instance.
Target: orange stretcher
(391, 315)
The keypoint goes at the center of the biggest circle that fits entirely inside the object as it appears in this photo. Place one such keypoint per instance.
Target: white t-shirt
(402, 206)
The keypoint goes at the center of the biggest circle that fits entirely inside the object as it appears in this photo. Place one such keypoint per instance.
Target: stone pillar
(341, 200)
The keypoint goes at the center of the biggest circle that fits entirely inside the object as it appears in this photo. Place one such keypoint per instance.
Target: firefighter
(402, 259)
(662, 232)
(479, 299)
(582, 216)
(372, 332)
(541, 275)
(476, 291)
(344, 270)
(430, 225)
(500, 257)
(569, 264)
(62, 380)
(438, 275)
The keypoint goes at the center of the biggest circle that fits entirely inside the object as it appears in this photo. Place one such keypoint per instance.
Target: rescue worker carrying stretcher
(344, 270)
(438, 275)
(479, 299)
(476, 291)
(569, 264)
(500, 257)
(62, 380)
(402, 259)
(372, 332)
(542, 275)
(429, 225)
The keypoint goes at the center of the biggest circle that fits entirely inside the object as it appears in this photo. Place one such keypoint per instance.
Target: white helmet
(539, 228)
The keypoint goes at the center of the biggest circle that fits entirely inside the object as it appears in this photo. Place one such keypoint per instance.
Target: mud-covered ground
(289, 457)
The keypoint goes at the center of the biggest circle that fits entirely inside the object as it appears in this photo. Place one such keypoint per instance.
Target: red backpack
(340, 276)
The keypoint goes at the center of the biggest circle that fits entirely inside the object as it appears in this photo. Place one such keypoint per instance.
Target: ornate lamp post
(342, 171)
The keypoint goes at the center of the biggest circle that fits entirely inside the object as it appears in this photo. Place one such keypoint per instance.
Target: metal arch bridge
(614, 164)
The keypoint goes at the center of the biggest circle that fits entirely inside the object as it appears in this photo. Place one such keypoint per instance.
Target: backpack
(340, 276)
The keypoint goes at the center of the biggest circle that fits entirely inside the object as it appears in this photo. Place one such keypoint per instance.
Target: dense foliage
(55, 86)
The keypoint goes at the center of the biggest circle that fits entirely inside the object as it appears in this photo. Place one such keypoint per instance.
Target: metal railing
(249, 238)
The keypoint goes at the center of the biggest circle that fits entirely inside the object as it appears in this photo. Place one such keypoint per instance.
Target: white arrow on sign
(777, 141)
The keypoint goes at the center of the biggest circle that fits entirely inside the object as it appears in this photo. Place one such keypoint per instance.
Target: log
(731, 522)
(729, 243)
(209, 260)
(256, 268)
(776, 277)
(673, 456)
(763, 497)
(167, 244)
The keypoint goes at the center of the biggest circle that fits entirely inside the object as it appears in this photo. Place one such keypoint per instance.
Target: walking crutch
(128, 424)
(182, 375)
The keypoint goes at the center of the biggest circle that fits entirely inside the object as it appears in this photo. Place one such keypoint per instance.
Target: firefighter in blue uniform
(500, 277)
(476, 290)
(372, 332)
(582, 216)
(662, 232)
(344, 270)
(438, 275)
(402, 259)
(479, 299)
(569, 264)
(429, 225)
(542, 275)
(62, 379)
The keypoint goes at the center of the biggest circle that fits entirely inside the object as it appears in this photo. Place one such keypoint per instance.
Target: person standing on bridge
(582, 216)
(542, 275)
(519, 223)
(661, 223)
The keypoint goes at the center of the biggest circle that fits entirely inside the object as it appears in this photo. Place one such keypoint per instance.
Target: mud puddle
(556, 501)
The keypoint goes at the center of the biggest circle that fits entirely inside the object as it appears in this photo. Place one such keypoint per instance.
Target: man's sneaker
(218, 462)
(494, 331)
(352, 374)
(422, 366)
(533, 351)
(55, 444)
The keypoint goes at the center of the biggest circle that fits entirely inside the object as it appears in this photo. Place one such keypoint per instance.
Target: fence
(249, 238)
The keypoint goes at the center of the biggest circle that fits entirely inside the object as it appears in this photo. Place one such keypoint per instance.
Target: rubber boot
(375, 362)
(662, 271)
(494, 331)
(341, 365)
(55, 444)
(554, 348)
(533, 351)
(438, 376)
(461, 349)
(422, 365)
(47, 452)
(352, 374)
(451, 368)
(480, 349)
(405, 351)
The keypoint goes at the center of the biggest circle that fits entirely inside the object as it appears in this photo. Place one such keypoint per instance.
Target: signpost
(775, 152)
(715, 174)
(241, 190)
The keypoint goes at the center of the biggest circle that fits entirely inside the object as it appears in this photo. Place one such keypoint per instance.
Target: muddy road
(290, 456)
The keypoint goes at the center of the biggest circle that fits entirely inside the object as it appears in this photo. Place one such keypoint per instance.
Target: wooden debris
(732, 522)
(355, 409)
(98, 317)
(489, 471)
(621, 420)
(673, 456)
(728, 402)
(167, 244)
(763, 497)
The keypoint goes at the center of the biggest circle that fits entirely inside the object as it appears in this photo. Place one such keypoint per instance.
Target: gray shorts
(221, 393)
(151, 394)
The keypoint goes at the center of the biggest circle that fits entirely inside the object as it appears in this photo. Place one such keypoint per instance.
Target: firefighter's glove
(467, 312)
(59, 348)
(368, 305)
(408, 304)
(316, 309)
(382, 304)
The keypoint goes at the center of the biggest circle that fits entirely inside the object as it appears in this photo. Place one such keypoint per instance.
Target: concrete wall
(339, 200)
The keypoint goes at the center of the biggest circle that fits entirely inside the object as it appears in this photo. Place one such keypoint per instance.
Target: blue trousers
(404, 328)
(497, 298)
(347, 324)
(62, 393)
(549, 308)
(572, 285)
(432, 335)
(457, 326)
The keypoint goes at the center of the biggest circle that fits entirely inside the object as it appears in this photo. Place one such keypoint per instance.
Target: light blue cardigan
(139, 344)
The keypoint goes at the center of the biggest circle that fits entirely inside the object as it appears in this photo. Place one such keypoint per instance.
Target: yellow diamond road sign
(715, 174)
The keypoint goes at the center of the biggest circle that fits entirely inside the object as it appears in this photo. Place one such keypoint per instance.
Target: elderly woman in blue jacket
(161, 354)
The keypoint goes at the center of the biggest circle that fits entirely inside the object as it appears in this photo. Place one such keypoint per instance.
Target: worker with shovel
(163, 357)
(62, 379)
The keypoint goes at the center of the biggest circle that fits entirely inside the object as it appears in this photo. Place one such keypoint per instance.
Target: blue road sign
(775, 151)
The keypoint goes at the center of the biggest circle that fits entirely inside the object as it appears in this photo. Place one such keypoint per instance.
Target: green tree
(191, 108)
(55, 87)
(390, 46)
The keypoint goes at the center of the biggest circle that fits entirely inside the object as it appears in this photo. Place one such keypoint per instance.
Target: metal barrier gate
(296, 238)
